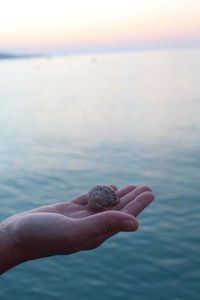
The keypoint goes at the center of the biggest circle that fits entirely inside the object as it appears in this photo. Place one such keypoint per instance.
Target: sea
(69, 123)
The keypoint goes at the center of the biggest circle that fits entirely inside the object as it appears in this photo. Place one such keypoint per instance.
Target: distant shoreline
(14, 56)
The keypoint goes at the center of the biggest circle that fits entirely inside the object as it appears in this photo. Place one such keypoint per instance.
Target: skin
(68, 227)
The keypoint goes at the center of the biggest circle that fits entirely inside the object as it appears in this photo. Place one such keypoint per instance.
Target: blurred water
(69, 123)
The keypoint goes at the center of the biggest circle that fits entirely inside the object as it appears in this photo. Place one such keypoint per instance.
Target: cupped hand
(68, 227)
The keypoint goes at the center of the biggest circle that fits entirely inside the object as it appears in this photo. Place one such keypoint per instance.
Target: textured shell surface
(102, 196)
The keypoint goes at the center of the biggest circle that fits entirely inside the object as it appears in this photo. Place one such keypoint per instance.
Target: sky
(86, 26)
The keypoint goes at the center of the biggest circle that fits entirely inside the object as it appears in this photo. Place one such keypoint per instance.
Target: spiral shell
(102, 196)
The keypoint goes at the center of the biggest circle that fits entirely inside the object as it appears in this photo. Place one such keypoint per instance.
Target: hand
(68, 227)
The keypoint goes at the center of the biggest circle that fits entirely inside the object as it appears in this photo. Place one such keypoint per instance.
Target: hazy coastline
(6, 55)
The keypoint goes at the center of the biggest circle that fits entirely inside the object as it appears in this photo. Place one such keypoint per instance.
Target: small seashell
(102, 196)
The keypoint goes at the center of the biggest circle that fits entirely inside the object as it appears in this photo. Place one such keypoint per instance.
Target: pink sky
(62, 26)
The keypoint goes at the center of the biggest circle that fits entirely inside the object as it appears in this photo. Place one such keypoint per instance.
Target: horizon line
(104, 50)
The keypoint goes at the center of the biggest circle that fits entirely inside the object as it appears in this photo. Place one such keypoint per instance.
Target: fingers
(128, 195)
(125, 190)
(82, 199)
(131, 195)
(104, 223)
(137, 205)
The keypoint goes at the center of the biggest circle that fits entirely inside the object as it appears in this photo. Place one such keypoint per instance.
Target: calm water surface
(69, 123)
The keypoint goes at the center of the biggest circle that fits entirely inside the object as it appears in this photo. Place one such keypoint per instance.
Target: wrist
(10, 253)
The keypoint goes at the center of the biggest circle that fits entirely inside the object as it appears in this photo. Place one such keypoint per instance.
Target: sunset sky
(79, 26)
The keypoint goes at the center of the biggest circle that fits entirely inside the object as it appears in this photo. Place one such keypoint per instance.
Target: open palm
(68, 227)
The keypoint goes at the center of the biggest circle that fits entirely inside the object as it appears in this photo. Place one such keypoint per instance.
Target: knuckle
(108, 227)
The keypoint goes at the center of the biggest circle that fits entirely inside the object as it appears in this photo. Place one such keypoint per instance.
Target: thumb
(105, 223)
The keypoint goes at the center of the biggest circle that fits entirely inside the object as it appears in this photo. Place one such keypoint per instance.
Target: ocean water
(68, 123)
